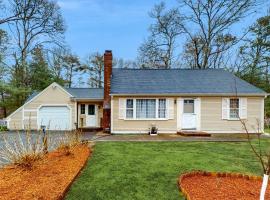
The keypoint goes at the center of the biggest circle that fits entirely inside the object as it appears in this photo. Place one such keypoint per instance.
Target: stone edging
(213, 174)
(65, 191)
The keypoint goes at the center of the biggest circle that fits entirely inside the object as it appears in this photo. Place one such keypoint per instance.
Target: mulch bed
(49, 178)
(221, 186)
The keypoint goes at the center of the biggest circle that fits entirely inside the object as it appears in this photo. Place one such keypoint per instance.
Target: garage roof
(86, 93)
(78, 93)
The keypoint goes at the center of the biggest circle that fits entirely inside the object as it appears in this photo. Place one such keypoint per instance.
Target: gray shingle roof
(86, 93)
(35, 93)
(79, 93)
(180, 81)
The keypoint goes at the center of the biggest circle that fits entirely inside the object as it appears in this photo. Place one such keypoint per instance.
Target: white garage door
(54, 117)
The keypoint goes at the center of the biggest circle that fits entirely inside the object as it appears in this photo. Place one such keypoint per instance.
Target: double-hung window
(234, 108)
(146, 108)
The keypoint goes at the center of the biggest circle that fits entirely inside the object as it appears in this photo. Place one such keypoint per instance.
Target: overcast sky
(118, 25)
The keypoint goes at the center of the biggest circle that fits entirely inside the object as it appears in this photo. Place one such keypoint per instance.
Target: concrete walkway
(162, 138)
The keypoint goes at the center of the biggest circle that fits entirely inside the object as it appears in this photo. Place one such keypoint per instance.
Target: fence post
(44, 139)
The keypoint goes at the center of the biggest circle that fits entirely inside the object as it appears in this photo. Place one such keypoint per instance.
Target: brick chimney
(107, 89)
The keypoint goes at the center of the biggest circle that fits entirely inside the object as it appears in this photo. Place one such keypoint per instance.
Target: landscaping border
(213, 174)
(65, 191)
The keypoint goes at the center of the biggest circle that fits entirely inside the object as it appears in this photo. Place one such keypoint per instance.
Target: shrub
(3, 128)
(22, 150)
(68, 141)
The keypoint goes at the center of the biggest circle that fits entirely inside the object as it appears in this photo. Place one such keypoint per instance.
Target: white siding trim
(122, 108)
(225, 108)
(243, 108)
(170, 108)
(179, 113)
(262, 116)
(22, 118)
(197, 105)
(30, 110)
(112, 101)
(76, 114)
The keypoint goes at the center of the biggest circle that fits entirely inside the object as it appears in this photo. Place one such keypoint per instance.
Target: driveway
(21, 136)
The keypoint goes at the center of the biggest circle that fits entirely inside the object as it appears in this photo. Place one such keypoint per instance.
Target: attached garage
(55, 117)
(53, 107)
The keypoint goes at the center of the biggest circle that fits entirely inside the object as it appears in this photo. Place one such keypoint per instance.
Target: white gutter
(198, 94)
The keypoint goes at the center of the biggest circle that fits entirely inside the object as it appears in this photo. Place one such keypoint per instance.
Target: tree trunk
(264, 186)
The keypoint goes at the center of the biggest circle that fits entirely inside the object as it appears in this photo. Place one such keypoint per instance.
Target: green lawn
(149, 170)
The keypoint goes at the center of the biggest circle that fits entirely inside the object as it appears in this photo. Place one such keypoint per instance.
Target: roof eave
(193, 94)
(87, 99)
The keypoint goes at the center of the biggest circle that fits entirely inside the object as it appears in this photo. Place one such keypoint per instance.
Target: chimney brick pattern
(107, 89)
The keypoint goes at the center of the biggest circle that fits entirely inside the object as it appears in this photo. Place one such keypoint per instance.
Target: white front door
(189, 117)
(91, 115)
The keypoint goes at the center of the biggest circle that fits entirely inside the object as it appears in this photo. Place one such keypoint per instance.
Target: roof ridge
(187, 69)
(83, 88)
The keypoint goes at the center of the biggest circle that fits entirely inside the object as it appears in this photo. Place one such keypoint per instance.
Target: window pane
(161, 108)
(234, 108)
(129, 113)
(91, 109)
(145, 108)
(129, 103)
(83, 109)
(188, 106)
(129, 108)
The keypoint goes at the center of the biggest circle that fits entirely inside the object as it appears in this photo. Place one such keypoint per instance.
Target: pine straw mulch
(49, 178)
(221, 186)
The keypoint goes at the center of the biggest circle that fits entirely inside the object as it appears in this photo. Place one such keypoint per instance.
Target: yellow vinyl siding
(140, 125)
(211, 111)
(211, 117)
(16, 121)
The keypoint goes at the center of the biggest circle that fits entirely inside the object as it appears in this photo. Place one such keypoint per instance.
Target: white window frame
(229, 109)
(147, 119)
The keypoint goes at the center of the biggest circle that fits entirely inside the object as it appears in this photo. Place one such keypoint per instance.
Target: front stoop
(90, 129)
(193, 134)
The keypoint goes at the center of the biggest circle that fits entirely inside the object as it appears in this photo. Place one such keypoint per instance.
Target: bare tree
(262, 153)
(72, 64)
(124, 64)
(207, 25)
(94, 66)
(158, 51)
(40, 23)
(56, 61)
(5, 17)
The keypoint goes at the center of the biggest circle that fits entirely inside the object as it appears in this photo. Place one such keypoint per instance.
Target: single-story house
(134, 100)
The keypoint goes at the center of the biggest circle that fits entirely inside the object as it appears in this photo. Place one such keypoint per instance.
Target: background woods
(190, 34)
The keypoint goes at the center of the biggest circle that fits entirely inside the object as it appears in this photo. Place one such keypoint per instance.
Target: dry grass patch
(47, 179)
